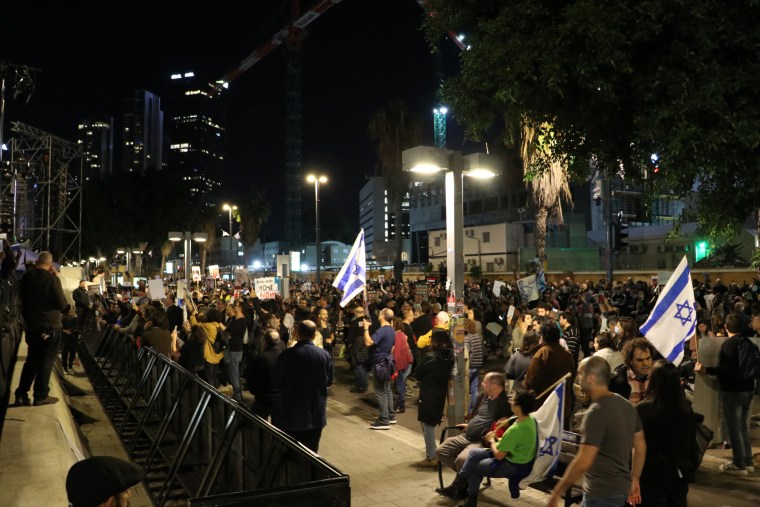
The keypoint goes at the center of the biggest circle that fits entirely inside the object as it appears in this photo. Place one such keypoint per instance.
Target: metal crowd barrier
(197, 446)
(10, 339)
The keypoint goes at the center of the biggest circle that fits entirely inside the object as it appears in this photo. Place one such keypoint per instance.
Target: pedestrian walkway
(381, 464)
(39, 444)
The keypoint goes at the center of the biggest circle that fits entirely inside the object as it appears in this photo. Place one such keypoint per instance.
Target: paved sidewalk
(381, 464)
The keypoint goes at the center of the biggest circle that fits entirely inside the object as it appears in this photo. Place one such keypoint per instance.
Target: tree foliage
(618, 81)
(127, 209)
(253, 214)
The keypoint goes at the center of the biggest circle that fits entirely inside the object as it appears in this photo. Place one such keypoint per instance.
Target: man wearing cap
(42, 303)
(101, 481)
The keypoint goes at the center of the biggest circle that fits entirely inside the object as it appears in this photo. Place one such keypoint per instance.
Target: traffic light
(620, 235)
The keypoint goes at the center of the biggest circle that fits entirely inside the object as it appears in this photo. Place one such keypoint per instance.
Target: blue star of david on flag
(684, 307)
(548, 447)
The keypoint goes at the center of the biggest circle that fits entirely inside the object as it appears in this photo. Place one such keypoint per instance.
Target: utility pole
(607, 210)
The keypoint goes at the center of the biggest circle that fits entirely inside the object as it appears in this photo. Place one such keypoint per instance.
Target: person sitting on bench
(510, 457)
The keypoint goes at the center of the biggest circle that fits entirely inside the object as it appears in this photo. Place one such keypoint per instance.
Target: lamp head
(480, 165)
(312, 178)
(424, 160)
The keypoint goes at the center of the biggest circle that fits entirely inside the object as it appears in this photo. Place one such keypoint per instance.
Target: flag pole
(508, 421)
(551, 387)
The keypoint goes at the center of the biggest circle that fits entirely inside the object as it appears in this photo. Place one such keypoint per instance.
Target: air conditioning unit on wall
(499, 260)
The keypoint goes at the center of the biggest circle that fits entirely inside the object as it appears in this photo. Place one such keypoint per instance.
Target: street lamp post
(312, 178)
(428, 160)
(480, 256)
(228, 208)
(188, 237)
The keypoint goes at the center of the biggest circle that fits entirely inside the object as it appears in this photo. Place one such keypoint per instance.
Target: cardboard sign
(421, 292)
(156, 289)
(267, 287)
(213, 270)
(497, 285)
(196, 270)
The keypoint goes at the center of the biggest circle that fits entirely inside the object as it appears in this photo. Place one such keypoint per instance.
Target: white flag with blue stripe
(549, 419)
(674, 318)
(353, 275)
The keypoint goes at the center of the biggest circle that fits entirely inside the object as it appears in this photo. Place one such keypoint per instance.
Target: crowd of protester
(533, 344)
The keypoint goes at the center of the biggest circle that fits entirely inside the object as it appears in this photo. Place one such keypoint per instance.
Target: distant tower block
(439, 126)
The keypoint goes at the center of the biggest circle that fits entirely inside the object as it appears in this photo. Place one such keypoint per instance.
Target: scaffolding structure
(41, 192)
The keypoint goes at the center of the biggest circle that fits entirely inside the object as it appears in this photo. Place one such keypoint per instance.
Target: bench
(570, 443)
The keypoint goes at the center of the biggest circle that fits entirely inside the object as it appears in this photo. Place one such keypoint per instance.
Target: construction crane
(439, 113)
(292, 35)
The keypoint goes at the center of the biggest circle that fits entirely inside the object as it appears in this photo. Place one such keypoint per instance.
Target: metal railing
(10, 338)
(197, 446)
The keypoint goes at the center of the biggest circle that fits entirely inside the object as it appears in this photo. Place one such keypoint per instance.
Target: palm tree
(253, 214)
(166, 248)
(546, 174)
(395, 129)
(207, 224)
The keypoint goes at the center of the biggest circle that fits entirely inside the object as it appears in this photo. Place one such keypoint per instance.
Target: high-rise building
(195, 131)
(379, 224)
(95, 135)
(142, 132)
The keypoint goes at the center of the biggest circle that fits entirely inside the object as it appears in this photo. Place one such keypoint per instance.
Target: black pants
(39, 363)
(68, 349)
(310, 438)
(211, 373)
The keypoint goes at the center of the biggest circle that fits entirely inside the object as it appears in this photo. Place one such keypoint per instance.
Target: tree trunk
(539, 239)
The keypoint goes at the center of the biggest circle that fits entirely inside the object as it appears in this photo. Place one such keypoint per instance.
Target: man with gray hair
(42, 304)
(441, 322)
(612, 450)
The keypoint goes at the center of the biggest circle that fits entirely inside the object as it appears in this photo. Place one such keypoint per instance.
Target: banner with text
(267, 287)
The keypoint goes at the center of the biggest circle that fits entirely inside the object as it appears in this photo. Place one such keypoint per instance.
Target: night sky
(357, 56)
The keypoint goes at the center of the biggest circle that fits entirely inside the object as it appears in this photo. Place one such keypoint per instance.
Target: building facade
(95, 135)
(379, 224)
(142, 132)
(195, 131)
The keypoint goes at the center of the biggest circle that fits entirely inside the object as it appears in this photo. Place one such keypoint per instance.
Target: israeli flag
(674, 317)
(353, 275)
(549, 434)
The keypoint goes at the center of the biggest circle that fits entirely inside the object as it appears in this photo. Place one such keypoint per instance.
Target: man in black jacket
(42, 303)
(736, 395)
(356, 350)
(82, 303)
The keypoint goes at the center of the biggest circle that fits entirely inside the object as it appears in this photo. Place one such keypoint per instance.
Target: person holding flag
(674, 317)
(352, 277)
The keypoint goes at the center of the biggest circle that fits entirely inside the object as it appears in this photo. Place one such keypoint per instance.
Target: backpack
(385, 368)
(749, 359)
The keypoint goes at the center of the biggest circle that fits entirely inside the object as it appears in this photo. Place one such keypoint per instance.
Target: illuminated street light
(229, 208)
(188, 238)
(313, 178)
(427, 160)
